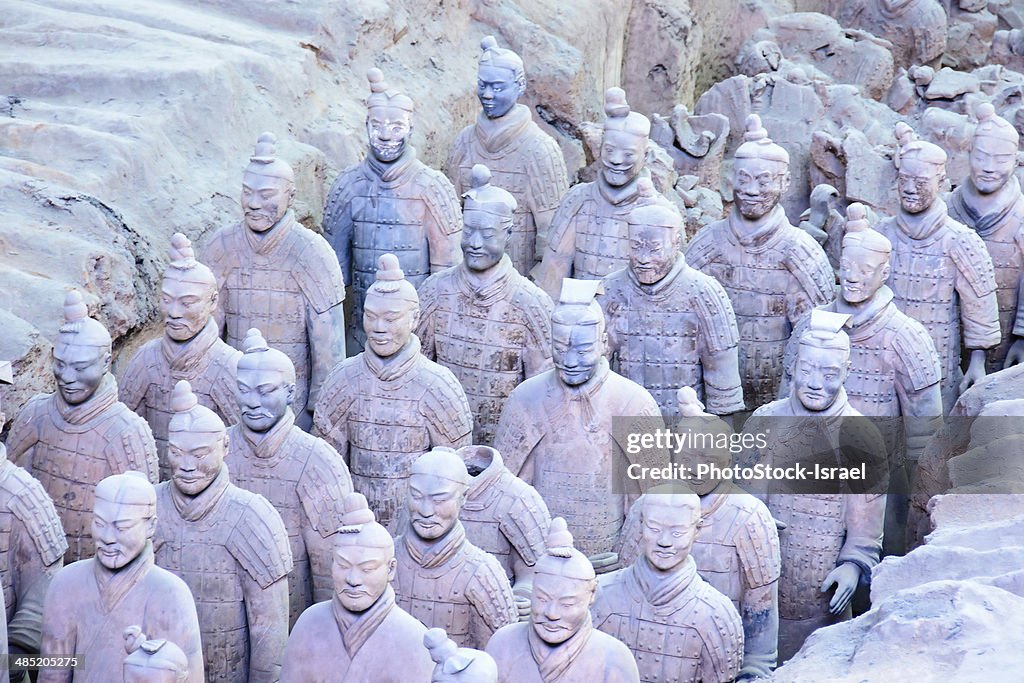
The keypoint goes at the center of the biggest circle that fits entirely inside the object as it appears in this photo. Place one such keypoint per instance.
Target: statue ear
(151, 527)
(786, 178)
(392, 569)
(291, 393)
(107, 358)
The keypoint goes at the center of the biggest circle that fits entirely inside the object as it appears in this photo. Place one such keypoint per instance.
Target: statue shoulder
(259, 539)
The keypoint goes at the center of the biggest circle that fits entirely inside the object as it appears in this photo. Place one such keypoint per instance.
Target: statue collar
(357, 627)
(268, 444)
(925, 224)
(867, 312)
(104, 397)
(434, 553)
(388, 172)
(490, 291)
(998, 205)
(617, 196)
(554, 661)
(496, 134)
(582, 398)
(769, 227)
(389, 369)
(266, 242)
(183, 357)
(662, 589)
(194, 508)
(114, 584)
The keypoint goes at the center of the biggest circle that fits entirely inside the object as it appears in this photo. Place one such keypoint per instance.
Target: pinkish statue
(229, 545)
(772, 271)
(190, 348)
(73, 438)
(277, 276)
(670, 325)
(942, 274)
(587, 238)
(152, 660)
(32, 546)
(391, 202)
(454, 664)
(556, 428)
(827, 539)
(301, 475)
(388, 405)
(915, 28)
(989, 201)
(442, 579)
(525, 160)
(678, 627)
(360, 634)
(481, 319)
(559, 643)
(90, 601)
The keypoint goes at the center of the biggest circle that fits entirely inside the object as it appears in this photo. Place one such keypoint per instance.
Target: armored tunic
(491, 336)
(942, 276)
(227, 544)
(70, 449)
(304, 479)
(208, 364)
(449, 583)
(773, 278)
(523, 160)
(667, 335)
(677, 626)
(381, 414)
(277, 282)
(403, 208)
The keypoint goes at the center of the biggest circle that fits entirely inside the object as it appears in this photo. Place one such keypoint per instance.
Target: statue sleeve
(548, 184)
(808, 263)
(537, 307)
(259, 542)
(134, 381)
(446, 408)
(60, 633)
(429, 293)
(456, 155)
(266, 613)
(518, 433)
(918, 374)
(443, 223)
(25, 432)
(865, 514)
(324, 483)
(723, 391)
(976, 285)
(330, 417)
(525, 525)
(222, 392)
(37, 548)
(557, 258)
(218, 257)
(628, 544)
(134, 448)
(491, 596)
(722, 654)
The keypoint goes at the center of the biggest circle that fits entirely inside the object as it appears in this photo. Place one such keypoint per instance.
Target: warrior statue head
(438, 482)
(81, 352)
(6, 377)
(500, 79)
(388, 118)
(864, 266)
(994, 147)
(655, 236)
(920, 171)
(124, 518)
(391, 309)
(487, 221)
(268, 186)
(188, 293)
(822, 361)
(454, 664)
(197, 442)
(564, 586)
(714, 449)
(624, 141)
(578, 337)
(364, 556)
(760, 172)
(265, 384)
(152, 660)
(668, 524)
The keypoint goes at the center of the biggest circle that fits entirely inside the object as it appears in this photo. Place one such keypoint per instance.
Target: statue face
(361, 575)
(818, 376)
(559, 606)
(862, 272)
(186, 307)
(919, 184)
(388, 128)
(992, 164)
(668, 533)
(622, 157)
(653, 251)
(264, 395)
(388, 323)
(434, 504)
(758, 186)
(195, 459)
(120, 532)
(497, 89)
(484, 239)
(265, 200)
(576, 351)
(79, 370)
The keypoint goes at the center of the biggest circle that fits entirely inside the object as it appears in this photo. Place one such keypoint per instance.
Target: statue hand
(845, 578)
(975, 371)
(1015, 355)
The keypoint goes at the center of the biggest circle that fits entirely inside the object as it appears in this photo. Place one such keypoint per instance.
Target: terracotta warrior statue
(525, 160)
(556, 428)
(390, 203)
(388, 405)
(302, 476)
(827, 539)
(670, 325)
(772, 271)
(279, 277)
(481, 319)
(989, 201)
(359, 634)
(90, 601)
(442, 578)
(588, 238)
(678, 626)
(191, 349)
(942, 275)
(152, 660)
(916, 29)
(559, 643)
(73, 438)
(229, 545)
(32, 546)
(454, 664)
